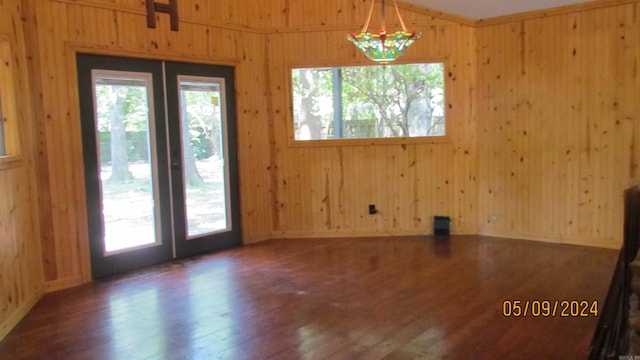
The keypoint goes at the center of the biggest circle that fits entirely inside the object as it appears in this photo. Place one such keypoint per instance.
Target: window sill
(371, 141)
(10, 162)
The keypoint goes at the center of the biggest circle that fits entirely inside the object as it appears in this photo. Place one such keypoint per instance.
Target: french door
(159, 146)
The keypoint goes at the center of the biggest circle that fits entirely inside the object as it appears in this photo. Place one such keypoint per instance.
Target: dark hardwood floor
(393, 298)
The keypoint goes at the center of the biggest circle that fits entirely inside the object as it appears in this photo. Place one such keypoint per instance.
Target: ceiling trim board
(561, 10)
(436, 13)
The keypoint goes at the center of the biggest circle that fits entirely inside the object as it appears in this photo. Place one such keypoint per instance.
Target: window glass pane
(203, 156)
(369, 101)
(124, 127)
(2, 147)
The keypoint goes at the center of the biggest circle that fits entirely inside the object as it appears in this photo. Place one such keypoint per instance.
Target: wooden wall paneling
(355, 201)
(539, 129)
(49, 97)
(298, 14)
(588, 121)
(391, 184)
(361, 189)
(21, 272)
(26, 188)
(110, 31)
(498, 141)
(342, 215)
(627, 35)
(276, 112)
(219, 11)
(127, 37)
(195, 9)
(626, 122)
(573, 105)
(10, 108)
(42, 165)
(547, 190)
(509, 73)
(320, 169)
(9, 253)
(253, 137)
(309, 206)
(516, 142)
(410, 179)
(492, 163)
(388, 188)
(578, 80)
(380, 195)
(616, 168)
(21, 280)
(591, 96)
(461, 79)
(413, 181)
(487, 190)
(202, 10)
(65, 139)
(423, 204)
(328, 187)
(288, 196)
(75, 176)
(602, 134)
(295, 179)
(524, 131)
(564, 109)
(406, 194)
(317, 208)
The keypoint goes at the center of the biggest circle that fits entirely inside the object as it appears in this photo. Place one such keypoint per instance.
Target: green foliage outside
(134, 115)
(376, 101)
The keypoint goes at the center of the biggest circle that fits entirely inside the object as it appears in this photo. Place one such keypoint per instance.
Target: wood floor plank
(363, 298)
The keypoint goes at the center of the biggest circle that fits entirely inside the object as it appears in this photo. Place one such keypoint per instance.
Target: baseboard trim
(18, 315)
(62, 284)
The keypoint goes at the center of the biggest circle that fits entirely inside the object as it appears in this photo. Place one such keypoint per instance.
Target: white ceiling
(484, 9)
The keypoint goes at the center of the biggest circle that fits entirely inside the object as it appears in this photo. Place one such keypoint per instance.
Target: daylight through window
(368, 101)
(3, 151)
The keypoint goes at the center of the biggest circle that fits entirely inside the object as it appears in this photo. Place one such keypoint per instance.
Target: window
(389, 101)
(3, 152)
(9, 141)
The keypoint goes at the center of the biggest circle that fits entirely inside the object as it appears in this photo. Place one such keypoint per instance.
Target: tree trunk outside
(119, 157)
(191, 174)
(309, 120)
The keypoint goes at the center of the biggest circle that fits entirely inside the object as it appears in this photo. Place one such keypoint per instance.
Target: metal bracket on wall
(170, 8)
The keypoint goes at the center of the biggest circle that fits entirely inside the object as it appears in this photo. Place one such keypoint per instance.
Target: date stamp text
(550, 308)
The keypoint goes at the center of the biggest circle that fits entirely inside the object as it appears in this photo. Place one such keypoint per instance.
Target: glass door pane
(204, 148)
(127, 162)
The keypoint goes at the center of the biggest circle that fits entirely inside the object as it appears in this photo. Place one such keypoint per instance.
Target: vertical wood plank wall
(63, 28)
(21, 282)
(409, 183)
(541, 115)
(325, 190)
(558, 124)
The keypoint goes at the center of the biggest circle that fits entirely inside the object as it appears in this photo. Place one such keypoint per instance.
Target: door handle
(175, 166)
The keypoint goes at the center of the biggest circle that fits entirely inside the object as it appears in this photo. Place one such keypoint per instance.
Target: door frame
(223, 240)
(171, 245)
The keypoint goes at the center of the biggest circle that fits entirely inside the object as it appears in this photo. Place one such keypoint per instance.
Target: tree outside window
(387, 101)
(3, 151)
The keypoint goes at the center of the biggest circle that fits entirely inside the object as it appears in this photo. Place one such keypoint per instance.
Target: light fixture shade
(383, 47)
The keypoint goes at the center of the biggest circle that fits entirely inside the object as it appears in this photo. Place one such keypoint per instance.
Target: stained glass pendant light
(383, 47)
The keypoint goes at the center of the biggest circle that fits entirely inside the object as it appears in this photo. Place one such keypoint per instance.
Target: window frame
(293, 142)
(11, 156)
